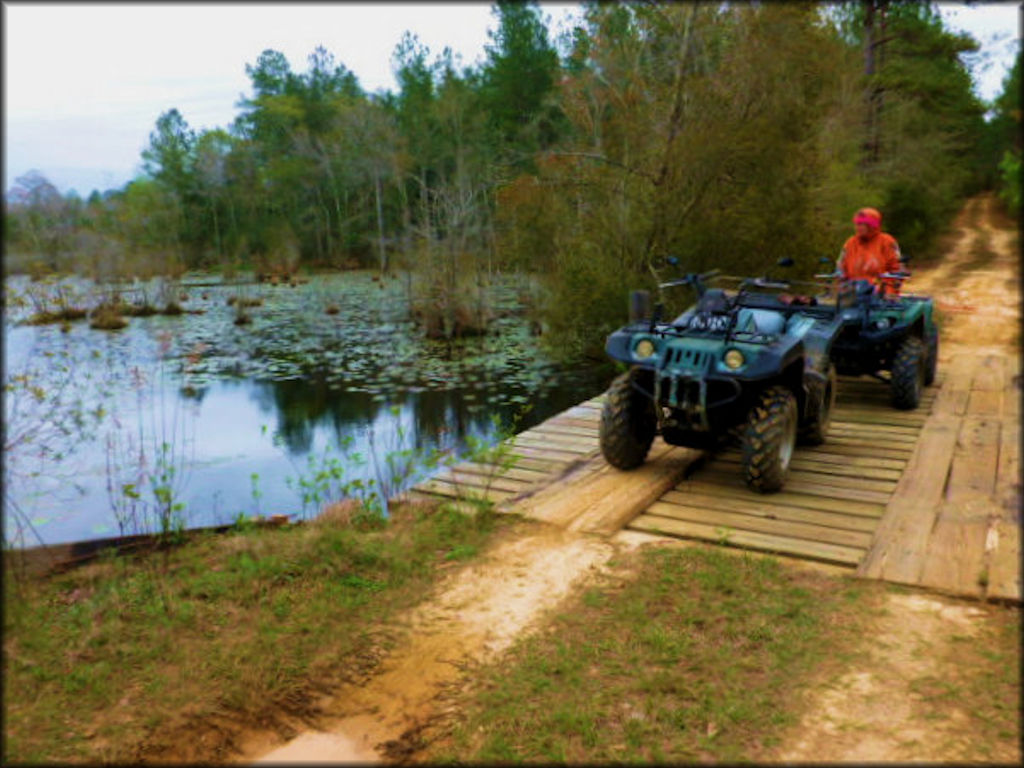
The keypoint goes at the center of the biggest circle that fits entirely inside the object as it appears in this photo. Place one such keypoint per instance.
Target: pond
(235, 418)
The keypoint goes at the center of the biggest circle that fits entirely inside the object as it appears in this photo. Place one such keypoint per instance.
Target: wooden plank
(1008, 479)
(538, 465)
(800, 484)
(975, 460)
(591, 424)
(758, 524)
(955, 391)
(783, 498)
(825, 454)
(554, 447)
(882, 421)
(985, 402)
(798, 474)
(1004, 571)
(954, 560)
(865, 525)
(897, 552)
(548, 453)
(478, 481)
(600, 498)
(801, 547)
(446, 488)
(845, 429)
(868, 447)
(990, 374)
(528, 476)
(799, 462)
(560, 429)
(558, 441)
(611, 499)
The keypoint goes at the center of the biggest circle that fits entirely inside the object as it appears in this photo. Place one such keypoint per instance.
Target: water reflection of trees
(301, 406)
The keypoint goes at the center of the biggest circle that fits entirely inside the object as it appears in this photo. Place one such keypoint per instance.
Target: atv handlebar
(693, 278)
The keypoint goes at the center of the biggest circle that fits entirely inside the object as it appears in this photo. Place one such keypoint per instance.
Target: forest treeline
(725, 134)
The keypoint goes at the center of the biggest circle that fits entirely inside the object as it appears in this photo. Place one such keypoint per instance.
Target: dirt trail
(478, 613)
(874, 712)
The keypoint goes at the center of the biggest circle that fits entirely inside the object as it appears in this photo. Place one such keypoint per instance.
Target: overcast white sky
(84, 83)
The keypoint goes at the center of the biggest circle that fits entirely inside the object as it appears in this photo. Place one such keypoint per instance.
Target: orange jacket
(867, 259)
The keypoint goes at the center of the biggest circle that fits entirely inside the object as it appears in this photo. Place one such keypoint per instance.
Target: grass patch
(107, 318)
(131, 658)
(66, 315)
(981, 681)
(698, 655)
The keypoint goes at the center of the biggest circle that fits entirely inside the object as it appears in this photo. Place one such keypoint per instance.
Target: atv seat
(760, 321)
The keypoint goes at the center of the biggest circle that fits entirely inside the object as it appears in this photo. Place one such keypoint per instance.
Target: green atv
(894, 335)
(752, 363)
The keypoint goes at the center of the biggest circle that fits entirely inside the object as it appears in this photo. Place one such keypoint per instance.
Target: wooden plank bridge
(929, 497)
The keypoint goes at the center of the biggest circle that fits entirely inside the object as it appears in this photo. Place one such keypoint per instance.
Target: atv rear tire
(628, 424)
(908, 374)
(933, 360)
(769, 439)
(819, 412)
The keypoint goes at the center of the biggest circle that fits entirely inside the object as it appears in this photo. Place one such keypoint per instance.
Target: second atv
(885, 332)
(750, 361)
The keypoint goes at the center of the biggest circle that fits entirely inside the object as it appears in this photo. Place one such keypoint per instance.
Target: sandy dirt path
(476, 615)
(874, 712)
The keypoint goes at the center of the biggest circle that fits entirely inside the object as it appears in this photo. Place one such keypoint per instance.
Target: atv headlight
(733, 359)
(644, 348)
(882, 323)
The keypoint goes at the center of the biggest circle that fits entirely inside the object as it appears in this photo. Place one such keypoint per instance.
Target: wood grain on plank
(975, 460)
(783, 498)
(900, 541)
(1008, 478)
(793, 512)
(955, 557)
(800, 461)
(797, 529)
(1004, 571)
(801, 547)
(800, 482)
(955, 390)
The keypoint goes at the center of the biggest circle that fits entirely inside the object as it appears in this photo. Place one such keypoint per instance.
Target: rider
(870, 252)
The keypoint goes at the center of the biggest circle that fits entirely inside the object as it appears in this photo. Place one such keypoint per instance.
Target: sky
(85, 83)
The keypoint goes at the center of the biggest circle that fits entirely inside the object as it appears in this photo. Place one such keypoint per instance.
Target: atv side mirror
(785, 261)
(639, 306)
(672, 261)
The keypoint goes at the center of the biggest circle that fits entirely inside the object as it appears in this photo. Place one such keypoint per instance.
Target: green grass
(115, 660)
(980, 681)
(697, 655)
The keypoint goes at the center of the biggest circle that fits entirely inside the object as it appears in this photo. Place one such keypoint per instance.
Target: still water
(239, 412)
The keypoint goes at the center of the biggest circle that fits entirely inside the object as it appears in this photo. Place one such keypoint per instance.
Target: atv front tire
(769, 439)
(933, 359)
(819, 411)
(628, 424)
(908, 374)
